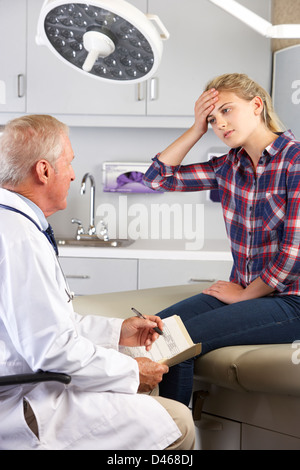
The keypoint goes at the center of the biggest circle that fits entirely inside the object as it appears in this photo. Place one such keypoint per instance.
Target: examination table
(246, 397)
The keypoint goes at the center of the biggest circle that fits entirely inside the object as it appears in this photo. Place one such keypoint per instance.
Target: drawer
(159, 273)
(87, 276)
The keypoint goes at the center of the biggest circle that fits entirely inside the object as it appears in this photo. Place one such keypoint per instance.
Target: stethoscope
(50, 237)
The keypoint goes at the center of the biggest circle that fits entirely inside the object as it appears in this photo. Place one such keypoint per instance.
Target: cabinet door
(13, 55)
(55, 88)
(204, 42)
(87, 276)
(215, 433)
(159, 273)
(255, 438)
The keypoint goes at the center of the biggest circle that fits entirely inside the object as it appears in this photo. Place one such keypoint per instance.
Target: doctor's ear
(43, 170)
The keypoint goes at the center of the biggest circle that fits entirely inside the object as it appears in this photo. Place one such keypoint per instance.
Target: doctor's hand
(151, 373)
(136, 331)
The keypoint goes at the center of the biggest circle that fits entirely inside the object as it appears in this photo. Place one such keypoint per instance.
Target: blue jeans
(266, 320)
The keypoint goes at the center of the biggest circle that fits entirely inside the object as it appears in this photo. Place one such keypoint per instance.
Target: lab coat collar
(25, 205)
(38, 212)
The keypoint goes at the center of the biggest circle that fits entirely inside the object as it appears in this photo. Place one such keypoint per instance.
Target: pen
(139, 314)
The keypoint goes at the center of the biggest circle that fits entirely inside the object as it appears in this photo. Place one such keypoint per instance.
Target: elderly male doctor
(101, 408)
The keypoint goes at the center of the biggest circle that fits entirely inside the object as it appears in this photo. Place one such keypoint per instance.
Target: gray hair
(25, 141)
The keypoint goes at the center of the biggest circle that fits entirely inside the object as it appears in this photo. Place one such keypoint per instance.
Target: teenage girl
(259, 188)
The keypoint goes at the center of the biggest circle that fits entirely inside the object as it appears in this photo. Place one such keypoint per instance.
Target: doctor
(101, 408)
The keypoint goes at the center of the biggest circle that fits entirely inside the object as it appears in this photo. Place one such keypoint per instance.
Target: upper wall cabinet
(204, 42)
(13, 56)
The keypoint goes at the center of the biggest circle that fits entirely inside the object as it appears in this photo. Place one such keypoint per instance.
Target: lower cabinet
(87, 276)
(254, 438)
(159, 273)
(217, 433)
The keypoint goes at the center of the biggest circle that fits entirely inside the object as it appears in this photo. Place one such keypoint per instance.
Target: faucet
(91, 229)
(91, 233)
(104, 231)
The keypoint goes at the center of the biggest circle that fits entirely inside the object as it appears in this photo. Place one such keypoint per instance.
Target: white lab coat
(100, 409)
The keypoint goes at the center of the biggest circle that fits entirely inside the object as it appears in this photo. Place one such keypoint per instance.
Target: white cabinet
(159, 273)
(204, 42)
(13, 55)
(87, 276)
(255, 438)
(215, 433)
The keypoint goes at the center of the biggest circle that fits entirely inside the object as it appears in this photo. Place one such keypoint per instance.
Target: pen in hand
(158, 330)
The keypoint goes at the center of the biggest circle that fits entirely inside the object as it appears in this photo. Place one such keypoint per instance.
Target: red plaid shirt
(261, 210)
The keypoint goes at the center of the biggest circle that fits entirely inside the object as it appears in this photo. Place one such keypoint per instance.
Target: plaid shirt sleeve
(194, 177)
(284, 268)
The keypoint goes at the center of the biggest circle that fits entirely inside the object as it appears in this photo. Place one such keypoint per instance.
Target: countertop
(218, 250)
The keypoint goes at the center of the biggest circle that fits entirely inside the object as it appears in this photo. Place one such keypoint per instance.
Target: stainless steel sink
(94, 242)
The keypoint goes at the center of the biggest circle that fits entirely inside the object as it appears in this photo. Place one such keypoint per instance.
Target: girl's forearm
(175, 153)
(257, 288)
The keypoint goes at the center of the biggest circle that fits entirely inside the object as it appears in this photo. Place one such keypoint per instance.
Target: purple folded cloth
(130, 177)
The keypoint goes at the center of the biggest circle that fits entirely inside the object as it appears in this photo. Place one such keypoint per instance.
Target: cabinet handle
(192, 279)
(154, 89)
(209, 425)
(79, 276)
(21, 87)
(141, 92)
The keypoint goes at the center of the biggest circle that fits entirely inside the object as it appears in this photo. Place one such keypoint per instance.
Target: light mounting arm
(256, 22)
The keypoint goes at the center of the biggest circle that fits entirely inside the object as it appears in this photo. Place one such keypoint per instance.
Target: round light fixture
(107, 39)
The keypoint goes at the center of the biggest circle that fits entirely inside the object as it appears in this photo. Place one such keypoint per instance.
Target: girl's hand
(227, 292)
(203, 107)
(176, 152)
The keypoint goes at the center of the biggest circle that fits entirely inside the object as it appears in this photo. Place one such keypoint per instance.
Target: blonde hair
(25, 141)
(245, 88)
